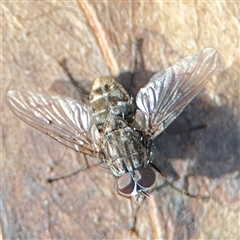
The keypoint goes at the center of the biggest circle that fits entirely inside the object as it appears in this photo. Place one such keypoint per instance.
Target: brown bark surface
(97, 38)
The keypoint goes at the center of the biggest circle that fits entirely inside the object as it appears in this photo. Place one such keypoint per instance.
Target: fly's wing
(168, 92)
(66, 120)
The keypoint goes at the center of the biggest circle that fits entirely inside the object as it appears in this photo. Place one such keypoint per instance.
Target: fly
(111, 127)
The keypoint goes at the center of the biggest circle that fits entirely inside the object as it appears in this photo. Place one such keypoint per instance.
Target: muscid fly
(111, 127)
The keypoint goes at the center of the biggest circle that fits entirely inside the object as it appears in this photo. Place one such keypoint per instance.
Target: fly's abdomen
(107, 95)
(122, 147)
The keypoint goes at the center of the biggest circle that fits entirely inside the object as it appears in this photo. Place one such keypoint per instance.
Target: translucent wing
(168, 92)
(66, 120)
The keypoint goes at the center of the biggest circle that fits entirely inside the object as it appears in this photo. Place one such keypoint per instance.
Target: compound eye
(126, 184)
(146, 177)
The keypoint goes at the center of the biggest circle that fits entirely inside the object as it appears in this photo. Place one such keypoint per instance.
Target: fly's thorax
(122, 147)
(107, 95)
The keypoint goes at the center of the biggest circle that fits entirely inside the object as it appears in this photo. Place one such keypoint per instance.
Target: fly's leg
(75, 83)
(187, 193)
(166, 182)
(87, 166)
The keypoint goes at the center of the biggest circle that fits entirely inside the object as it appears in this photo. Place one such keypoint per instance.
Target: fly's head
(136, 183)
